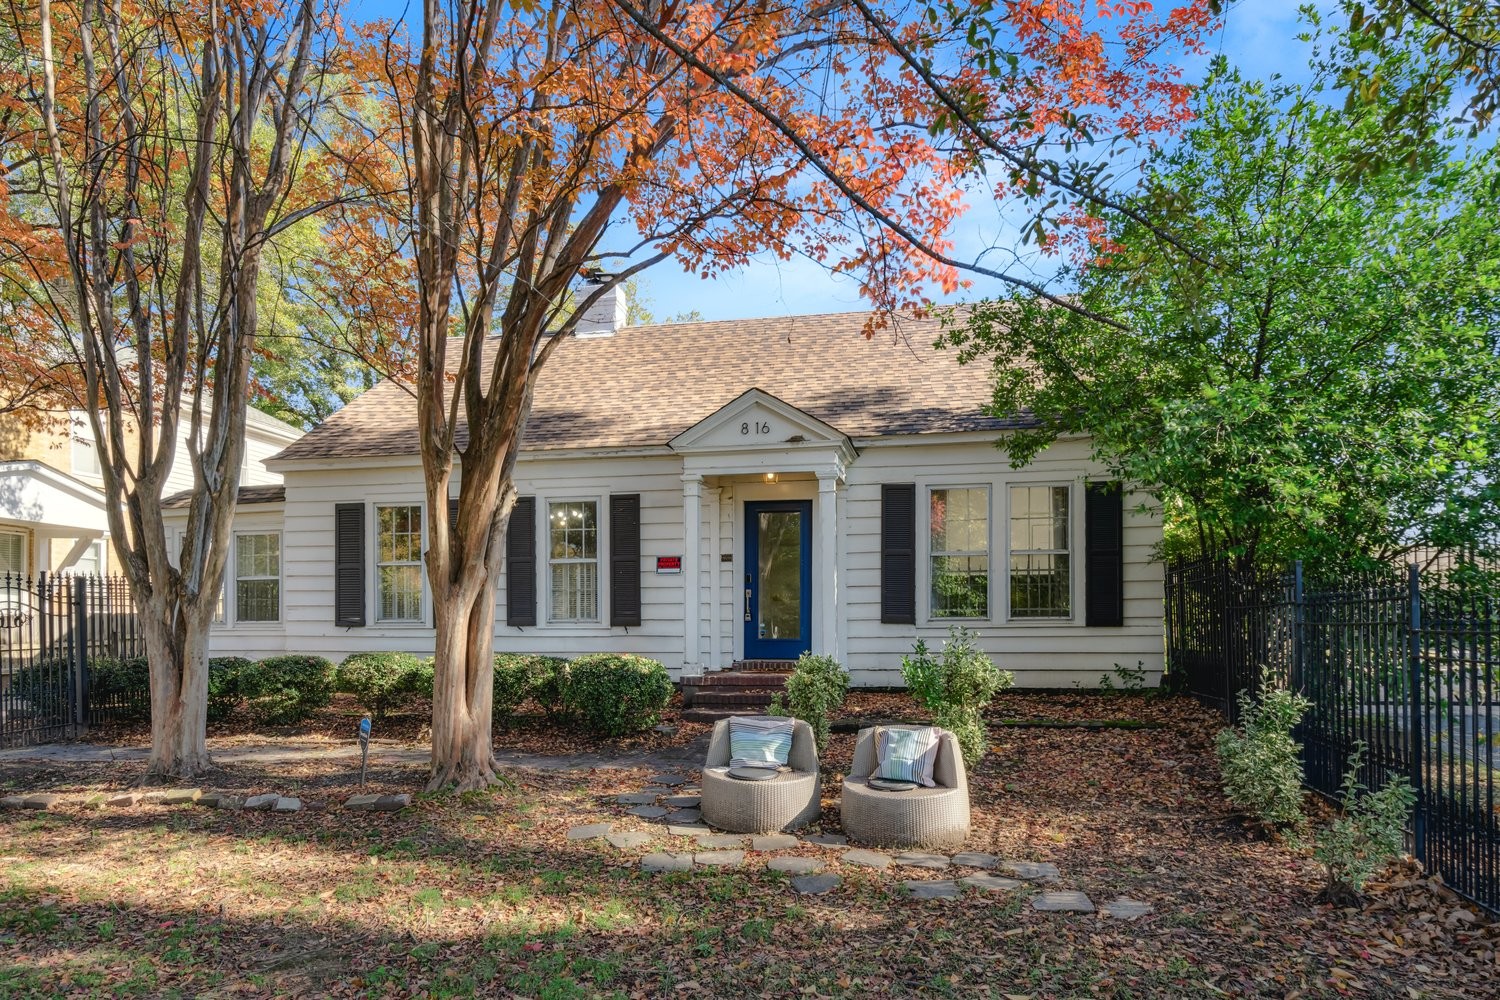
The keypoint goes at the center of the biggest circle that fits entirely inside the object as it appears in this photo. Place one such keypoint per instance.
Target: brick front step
(736, 699)
(737, 679)
(766, 666)
(717, 713)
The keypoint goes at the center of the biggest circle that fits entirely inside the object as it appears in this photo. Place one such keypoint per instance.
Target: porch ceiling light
(771, 477)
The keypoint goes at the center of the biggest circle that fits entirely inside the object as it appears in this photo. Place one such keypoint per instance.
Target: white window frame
(424, 617)
(600, 559)
(81, 436)
(235, 578)
(928, 554)
(1074, 577)
(25, 539)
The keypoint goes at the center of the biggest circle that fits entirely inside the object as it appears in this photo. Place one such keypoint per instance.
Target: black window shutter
(898, 553)
(1104, 554)
(452, 514)
(625, 559)
(349, 565)
(520, 563)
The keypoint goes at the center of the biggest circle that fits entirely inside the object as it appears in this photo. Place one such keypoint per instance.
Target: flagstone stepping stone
(181, 796)
(917, 859)
(1062, 902)
(656, 791)
(1033, 871)
(265, 801)
(667, 863)
(719, 840)
(41, 800)
(990, 883)
(683, 801)
(124, 800)
(719, 859)
(393, 803)
(636, 799)
(815, 885)
(827, 839)
(287, 804)
(589, 832)
(688, 829)
(774, 842)
(361, 803)
(682, 816)
(866, 859)
(13, 802)
(670, 780)
(1125, 908)
(975, 859)
(943, 889)
(795, 866)
(648, 812)
(628, 840)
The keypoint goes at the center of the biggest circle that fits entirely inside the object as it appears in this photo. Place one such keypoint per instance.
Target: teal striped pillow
(906, 754)
(757, 742)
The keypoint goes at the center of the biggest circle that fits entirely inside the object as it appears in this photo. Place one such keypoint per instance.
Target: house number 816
(756, 427)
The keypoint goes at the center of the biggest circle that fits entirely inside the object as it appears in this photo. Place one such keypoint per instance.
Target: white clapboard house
(709, 493)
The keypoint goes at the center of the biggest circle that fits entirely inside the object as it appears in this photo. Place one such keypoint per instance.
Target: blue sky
(1259, 36)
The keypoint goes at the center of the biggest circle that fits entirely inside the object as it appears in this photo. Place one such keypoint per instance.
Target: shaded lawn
(484, 895)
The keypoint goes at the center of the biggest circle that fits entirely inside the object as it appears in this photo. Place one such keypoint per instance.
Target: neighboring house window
(398, 560)
(960, 552)
(85, 455)
(1040, 561)
(257, 578)
(573, 560)
(12, 552)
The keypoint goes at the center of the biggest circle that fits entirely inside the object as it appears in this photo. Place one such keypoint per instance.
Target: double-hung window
(13, 552)
(959, 552)
(257, 577)
(1040, 556)
(573, 560)
(398, 563)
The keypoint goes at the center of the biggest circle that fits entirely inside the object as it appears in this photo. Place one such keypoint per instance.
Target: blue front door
(778, 579)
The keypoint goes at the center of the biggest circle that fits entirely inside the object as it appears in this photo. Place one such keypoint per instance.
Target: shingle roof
(646, 384)
(275, 493)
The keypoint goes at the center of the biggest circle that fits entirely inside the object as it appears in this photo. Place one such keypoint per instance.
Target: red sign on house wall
(669, 564)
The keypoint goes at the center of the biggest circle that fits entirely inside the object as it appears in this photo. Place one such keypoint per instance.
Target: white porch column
(825, 554)
(715, 571)
(692, 526)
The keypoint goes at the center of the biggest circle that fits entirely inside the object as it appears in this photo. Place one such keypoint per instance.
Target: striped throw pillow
(907, 754)
(757, 742)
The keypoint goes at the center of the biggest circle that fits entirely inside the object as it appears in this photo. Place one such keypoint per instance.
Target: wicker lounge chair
(929, 818)
(790, 800)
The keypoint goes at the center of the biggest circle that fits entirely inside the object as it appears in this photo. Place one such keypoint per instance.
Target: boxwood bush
(615, 693)
(224, 685)
(280, 690)
(381, 681)
(124, 685)
(519, 676)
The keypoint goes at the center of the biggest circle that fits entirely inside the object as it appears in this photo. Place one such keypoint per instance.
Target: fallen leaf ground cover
(484, 895)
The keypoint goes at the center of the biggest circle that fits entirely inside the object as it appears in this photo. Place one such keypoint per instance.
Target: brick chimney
(606, 315)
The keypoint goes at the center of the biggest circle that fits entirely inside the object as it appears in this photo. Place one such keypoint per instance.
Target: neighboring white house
(705, 493)
(52, 509)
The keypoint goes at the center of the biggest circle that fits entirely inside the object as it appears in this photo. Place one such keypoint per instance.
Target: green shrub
(817, 686)
(1369, 833)
(379, 681)
(122, 684)
(1261, 763)
(420, 679)
(281, 690)
(955, 687)
(224, 685)
(46, 687)
(519, 676)
(551, 693)
(615, 693)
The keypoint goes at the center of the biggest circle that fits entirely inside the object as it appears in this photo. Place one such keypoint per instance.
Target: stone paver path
(827, 839)
(1033, 871)
(684, 816)
(940, 889)
(975, 859)
(795, 866)
(774, 842)
(719, 859)
(589, 832)
(866, 859)
(721, 840)
(683, 801)
(667, 863)
(629, 840)
(688, 829)
(989, 883)
(917, 859)
(815, 885)
(1125, 908)
(1062, 902)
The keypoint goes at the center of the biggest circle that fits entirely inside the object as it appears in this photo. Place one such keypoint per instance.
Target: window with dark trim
(1040, 552)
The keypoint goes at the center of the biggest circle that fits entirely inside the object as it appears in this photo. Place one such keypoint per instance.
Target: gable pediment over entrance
(758, 421)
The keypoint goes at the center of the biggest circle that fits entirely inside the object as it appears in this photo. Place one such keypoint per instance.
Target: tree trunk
(179, 693)
(463, 755)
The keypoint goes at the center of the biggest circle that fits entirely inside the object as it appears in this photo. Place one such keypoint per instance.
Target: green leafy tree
(1322, 373)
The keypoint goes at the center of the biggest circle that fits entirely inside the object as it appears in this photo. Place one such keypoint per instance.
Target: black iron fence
(1406, 663)
(55, 632)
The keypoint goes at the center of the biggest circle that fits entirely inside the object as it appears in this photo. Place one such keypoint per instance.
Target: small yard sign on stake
(364, 748)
